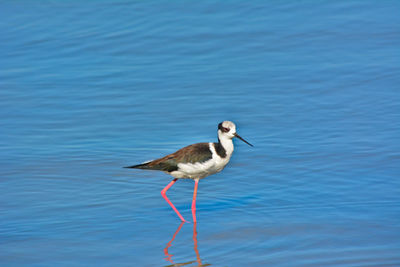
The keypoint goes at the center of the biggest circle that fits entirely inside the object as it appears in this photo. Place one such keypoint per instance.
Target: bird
(195, 162)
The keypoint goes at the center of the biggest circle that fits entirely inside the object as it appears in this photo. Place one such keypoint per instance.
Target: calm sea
(87, 87)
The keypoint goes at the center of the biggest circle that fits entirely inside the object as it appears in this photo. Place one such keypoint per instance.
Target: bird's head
(227, 129)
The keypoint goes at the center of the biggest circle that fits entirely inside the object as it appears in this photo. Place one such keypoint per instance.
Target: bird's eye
(225, 130)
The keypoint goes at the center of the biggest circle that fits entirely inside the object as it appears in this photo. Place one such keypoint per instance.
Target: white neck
(226, 143)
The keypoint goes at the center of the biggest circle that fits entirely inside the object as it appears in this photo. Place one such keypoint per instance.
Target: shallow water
(87, 88)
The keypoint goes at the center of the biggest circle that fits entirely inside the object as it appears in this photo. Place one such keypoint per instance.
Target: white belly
(199, 170)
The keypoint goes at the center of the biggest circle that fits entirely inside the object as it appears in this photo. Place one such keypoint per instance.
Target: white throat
(226, 143)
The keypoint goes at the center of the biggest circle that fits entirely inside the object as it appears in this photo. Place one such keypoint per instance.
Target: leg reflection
(168, 257)
(195, 244)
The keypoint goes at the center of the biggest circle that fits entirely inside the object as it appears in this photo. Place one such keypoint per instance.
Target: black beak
(238, 136)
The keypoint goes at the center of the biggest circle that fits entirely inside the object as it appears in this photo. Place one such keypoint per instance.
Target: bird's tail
(139, 166)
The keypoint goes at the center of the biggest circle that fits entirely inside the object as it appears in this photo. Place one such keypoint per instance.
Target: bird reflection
(168, 256)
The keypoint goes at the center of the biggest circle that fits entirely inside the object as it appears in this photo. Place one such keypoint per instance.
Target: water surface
(89, 87)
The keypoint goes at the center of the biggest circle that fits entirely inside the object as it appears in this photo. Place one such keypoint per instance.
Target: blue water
(89, 87)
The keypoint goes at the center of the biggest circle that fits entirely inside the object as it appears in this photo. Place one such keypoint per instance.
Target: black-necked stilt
(196, 161)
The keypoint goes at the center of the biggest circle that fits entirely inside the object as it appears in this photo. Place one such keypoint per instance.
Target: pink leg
(196, 183)
(163, 193)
